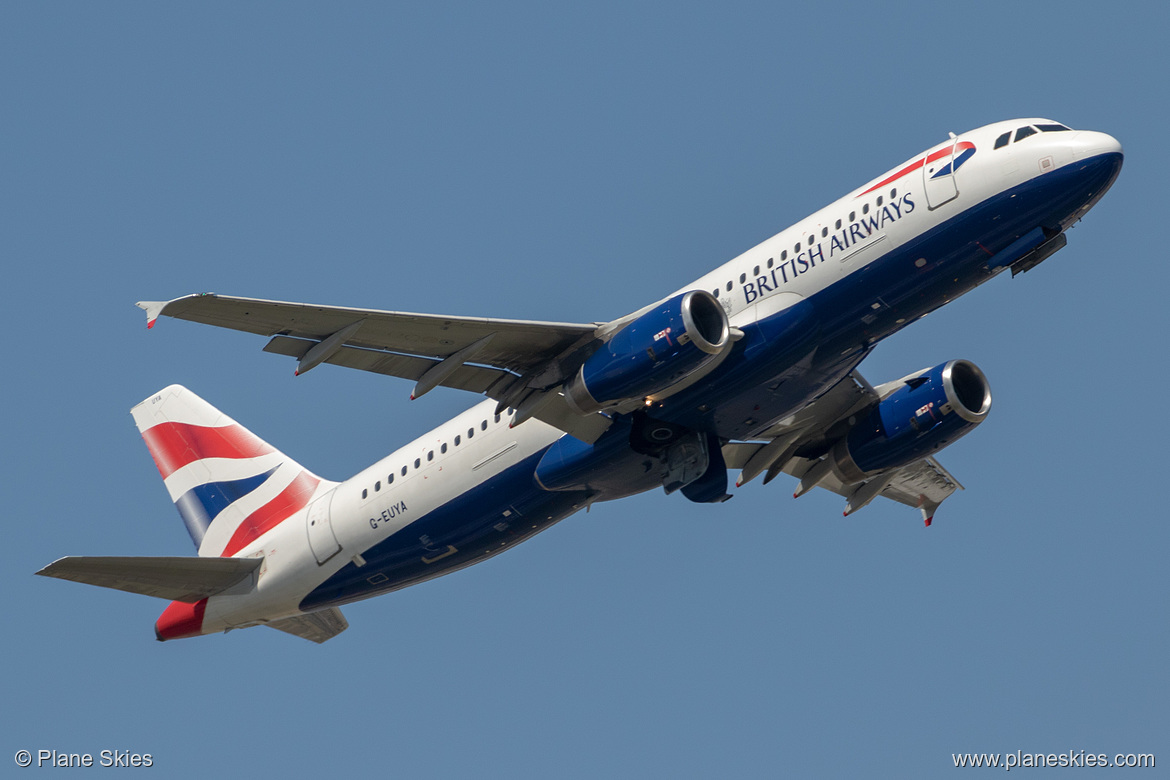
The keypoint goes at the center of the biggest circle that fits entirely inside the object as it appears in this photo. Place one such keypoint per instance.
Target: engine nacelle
(928, 412)
(666, 344)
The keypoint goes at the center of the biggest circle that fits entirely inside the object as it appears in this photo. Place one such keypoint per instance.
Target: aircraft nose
(1093, 144)
(1097, 160)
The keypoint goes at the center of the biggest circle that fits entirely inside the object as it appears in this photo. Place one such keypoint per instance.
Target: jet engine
(671, 341)
(929, 411)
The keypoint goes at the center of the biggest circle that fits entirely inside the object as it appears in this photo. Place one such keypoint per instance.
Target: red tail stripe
(891, 179)
(174, 445)
(292, 499)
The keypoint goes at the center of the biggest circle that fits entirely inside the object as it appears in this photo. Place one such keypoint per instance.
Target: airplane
(752, 367)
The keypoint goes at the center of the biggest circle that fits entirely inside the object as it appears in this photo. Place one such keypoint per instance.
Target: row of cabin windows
(1003, 140)
(1026, 131)
(430, 456)
(811, 240)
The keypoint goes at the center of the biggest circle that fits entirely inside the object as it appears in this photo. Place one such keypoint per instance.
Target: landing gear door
(321, 538)
(938, 176)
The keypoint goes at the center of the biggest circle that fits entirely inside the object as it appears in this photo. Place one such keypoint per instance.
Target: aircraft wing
(504, 359)
(796, 444)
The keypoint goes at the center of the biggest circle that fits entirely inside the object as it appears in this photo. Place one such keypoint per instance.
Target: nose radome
(1091, 144)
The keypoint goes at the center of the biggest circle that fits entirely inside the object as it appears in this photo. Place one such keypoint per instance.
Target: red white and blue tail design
(229, 486)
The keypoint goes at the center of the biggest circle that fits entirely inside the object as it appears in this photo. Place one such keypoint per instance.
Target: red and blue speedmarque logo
(960, 153)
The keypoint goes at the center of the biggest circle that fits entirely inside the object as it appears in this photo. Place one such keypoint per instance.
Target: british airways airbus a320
(753, 367)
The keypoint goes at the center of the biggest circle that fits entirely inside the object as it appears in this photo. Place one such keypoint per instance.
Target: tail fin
(229, 486)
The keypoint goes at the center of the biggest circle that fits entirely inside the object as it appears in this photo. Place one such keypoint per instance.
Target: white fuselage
(470, 451)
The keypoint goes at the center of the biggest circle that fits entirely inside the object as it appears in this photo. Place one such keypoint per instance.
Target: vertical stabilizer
(229, 486)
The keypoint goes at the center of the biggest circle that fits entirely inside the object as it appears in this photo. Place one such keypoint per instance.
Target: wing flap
(476, 379)
(184, 579)
(473, 378)
(319, 626)
(736, 454)
(923, 484)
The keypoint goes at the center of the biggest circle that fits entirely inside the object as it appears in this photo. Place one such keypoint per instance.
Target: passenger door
(938, 176)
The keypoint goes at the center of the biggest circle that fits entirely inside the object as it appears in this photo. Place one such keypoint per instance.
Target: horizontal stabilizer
(177, 579)
(316, 626)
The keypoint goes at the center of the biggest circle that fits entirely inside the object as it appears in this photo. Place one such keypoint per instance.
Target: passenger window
(756, 271)
(729, 287)
(365, 492)
(715, 292)
(430, 455)
(879, 200)
(742, 278)
(457, 441)
(838, 225)
(443, 449)
(811, 239)
(390, 479)
(377, 486)
(470, 432)
(404, 471)
(498, 417)
(824, 232)
(852, 216)
(770, 261)
(1003, 140)
(417, 462)
(865, 209)
(1023, 133)
(783, 255)
(893, 194)
(483, 425)
(797, 248)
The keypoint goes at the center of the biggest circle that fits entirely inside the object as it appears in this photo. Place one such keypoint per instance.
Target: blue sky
(573, 163)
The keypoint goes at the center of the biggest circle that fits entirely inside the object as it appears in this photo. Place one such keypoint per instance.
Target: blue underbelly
(484, 521)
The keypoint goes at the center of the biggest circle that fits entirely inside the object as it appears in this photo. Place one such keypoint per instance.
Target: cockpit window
(1024, 132)
(1052, 128)
(1003, 140)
